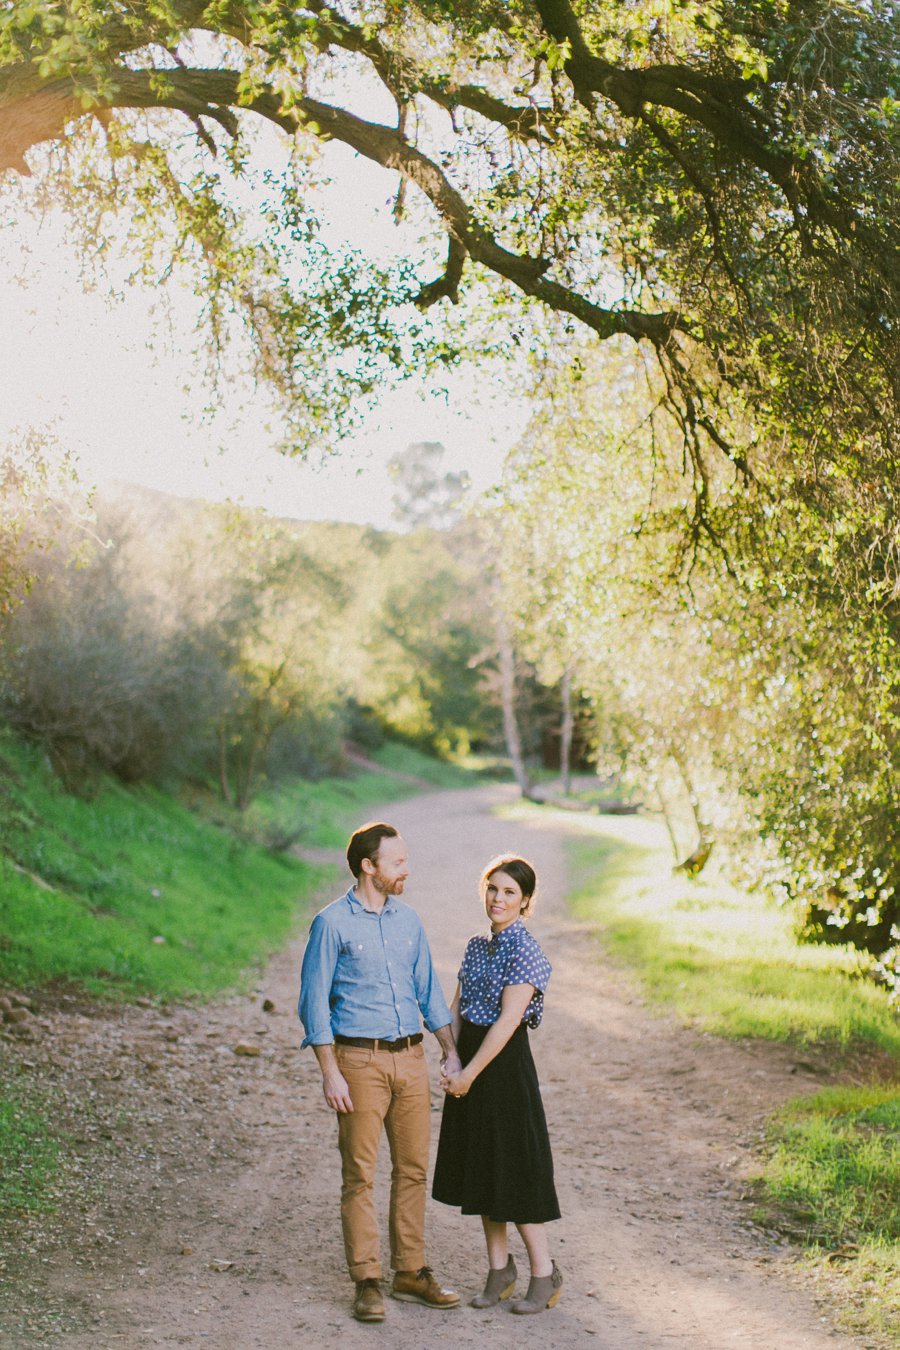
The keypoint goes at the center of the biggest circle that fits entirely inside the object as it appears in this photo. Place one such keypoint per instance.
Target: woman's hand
(455, 1084)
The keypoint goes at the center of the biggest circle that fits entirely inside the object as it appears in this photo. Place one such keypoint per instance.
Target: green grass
(130, 892)
(833, 1173)
(322, 814)
(725, 960)
(29, 1153)
(832, 1182)
(438, 773)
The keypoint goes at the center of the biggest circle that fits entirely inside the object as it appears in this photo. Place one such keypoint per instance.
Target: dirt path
(224, 1231)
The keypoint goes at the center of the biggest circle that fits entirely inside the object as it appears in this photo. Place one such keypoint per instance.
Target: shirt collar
(357, 906)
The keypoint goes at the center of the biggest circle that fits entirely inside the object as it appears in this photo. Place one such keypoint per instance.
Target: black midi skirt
(494, 1151)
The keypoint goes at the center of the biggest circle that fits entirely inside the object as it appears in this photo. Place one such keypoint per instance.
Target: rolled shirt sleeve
(316, 977)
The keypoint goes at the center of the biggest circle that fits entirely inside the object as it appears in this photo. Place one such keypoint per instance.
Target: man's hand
(450, 1064)
(334, 1084)
(337, 1092)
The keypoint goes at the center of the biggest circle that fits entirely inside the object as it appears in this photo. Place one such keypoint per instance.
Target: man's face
(390, 868)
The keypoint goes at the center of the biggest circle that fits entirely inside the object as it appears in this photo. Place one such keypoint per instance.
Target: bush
(89, 671)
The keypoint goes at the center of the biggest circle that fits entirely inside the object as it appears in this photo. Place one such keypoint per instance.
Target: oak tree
(715, 181)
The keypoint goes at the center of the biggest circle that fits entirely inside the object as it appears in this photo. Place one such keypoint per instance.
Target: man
(366, 977)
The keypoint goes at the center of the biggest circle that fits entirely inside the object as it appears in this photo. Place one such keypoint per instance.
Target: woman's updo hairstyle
(521, 872)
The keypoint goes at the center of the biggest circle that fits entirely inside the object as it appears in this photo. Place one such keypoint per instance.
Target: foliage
(718, 184)
(90, 670)
(271, 594)
(749, 690)
(34, 507)
(424, 496)
(192, 640)
(409, 641)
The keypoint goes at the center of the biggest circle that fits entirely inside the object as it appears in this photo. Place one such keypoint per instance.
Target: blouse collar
(500, 939)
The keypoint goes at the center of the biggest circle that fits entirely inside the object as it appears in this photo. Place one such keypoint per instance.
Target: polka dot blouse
(491, 963)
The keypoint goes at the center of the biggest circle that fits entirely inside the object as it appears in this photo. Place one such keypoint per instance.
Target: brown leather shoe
(368, 1305)
(420, 1286)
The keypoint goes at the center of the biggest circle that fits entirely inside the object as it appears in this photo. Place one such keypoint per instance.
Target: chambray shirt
(511, 956)
(367, 974)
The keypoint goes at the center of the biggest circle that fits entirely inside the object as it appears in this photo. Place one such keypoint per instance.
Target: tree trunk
(224, 784)
(508, 704)
(566, 730)
(694, 864)
(663, 806)
(693, 801)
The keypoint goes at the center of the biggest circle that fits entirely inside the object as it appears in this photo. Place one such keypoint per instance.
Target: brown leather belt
(366, 1042)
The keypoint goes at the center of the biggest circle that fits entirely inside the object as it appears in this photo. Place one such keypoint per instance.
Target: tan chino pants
(390, 1091)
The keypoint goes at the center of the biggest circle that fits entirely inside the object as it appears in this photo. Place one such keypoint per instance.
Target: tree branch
(448, 284)
(717, 104)
(199, 93)
(402, 76)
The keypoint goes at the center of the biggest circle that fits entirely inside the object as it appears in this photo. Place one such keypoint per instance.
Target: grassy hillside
(130, 892)
(727, 961)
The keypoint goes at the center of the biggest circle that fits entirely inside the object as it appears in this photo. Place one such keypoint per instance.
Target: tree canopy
(716, 181)
(755, 709)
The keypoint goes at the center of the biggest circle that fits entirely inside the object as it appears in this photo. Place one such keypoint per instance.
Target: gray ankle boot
(543, 1292)
(499, 1284)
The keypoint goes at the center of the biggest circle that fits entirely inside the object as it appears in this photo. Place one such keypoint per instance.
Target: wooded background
(679, 221)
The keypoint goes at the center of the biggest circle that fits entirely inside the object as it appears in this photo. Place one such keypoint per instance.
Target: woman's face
(503, 900)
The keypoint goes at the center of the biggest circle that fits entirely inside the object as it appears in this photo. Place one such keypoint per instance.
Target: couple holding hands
(366, 986)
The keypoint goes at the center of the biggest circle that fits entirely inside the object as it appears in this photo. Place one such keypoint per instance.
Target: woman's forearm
(456, 1016)
(499, 1033)
(513, 1005)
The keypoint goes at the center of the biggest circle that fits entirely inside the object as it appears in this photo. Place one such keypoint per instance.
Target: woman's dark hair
(521, 872)
(365, 843)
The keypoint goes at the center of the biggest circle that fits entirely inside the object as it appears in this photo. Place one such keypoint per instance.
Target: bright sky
(103, 380)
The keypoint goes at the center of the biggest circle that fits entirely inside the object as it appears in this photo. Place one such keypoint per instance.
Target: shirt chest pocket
(359, 958)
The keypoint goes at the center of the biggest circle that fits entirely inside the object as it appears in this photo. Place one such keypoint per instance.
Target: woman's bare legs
(534, 1235)
(497, 1243)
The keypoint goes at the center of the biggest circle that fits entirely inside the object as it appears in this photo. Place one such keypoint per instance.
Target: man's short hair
(365, 843)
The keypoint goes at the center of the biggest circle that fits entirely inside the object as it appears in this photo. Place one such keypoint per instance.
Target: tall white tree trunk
(566, 730)
(508, 703)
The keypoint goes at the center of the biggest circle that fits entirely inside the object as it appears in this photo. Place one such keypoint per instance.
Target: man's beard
(385, 887)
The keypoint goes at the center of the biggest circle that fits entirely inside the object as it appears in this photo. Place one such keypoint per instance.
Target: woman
(494, 1152)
